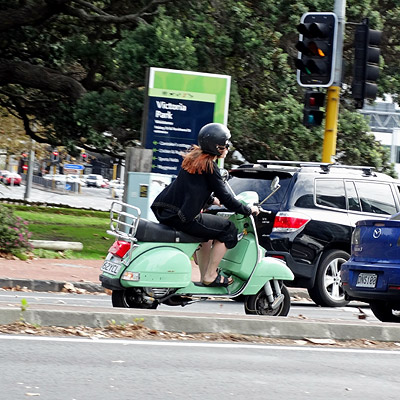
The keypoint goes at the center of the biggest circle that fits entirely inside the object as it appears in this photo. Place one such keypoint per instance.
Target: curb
(271, 327)
(48, 286)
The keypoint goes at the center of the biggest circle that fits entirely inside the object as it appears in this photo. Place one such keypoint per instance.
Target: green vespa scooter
(150, 264)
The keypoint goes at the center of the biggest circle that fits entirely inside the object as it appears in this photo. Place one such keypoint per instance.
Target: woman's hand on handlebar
(216, 202)
(255, 210)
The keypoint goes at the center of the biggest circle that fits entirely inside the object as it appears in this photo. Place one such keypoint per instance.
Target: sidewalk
(51, 274)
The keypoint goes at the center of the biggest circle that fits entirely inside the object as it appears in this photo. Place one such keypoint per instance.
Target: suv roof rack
(324, 166)
(367, 170)
(300, 163)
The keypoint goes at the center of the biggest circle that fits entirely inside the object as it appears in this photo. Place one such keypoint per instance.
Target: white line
(195, 344)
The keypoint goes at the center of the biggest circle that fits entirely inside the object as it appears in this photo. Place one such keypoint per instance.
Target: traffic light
(84, 157)
(366, 63)
(54, 155)
(312, 113)
(315, 62)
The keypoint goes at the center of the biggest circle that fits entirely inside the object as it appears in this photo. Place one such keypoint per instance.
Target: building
(384, 121)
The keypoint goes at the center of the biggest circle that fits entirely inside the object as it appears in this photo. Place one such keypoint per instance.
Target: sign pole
(332, 106)
(29, 175)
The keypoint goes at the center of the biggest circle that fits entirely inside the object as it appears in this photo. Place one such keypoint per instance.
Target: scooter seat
(149, 231)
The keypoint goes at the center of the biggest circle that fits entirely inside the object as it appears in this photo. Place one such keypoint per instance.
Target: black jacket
(189, 193)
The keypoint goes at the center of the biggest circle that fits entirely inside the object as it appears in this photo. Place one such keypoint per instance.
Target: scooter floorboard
(196, 288)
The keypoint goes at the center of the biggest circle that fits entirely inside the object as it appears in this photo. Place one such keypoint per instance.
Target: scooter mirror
(274, 187)
(275, 183)
(224, 173)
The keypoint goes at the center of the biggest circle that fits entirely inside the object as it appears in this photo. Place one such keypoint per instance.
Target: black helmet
(211, 136)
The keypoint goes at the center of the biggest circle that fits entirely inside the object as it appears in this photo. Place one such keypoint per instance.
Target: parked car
(313, 215)
(73, 178)
(95, 180)
(59, 179)
(11, 178)
(372, 274)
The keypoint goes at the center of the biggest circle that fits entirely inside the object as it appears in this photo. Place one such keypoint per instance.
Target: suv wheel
(327, 290)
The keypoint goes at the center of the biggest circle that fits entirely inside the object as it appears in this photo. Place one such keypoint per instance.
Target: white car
(58, 178)
(75, 179)
(95, 180)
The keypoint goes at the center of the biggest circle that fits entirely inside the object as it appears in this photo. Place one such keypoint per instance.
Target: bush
(14, 234)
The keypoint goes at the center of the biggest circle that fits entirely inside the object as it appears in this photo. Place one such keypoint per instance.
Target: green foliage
(104, 48)
(358, 146)
(24, 304)
(272, 132)
(161, 44)
(14, 234)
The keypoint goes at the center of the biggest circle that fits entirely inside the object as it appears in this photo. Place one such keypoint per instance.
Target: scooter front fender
(268, 268)
(161, 267)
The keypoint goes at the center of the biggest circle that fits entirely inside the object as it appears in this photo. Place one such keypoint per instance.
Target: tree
(78, 68)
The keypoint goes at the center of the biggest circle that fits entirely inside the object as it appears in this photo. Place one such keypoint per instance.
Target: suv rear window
(261, 186)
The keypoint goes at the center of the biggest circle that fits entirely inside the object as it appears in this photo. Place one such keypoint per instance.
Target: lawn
(76, 225)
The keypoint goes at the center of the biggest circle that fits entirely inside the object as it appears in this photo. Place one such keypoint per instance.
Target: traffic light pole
(333, 99)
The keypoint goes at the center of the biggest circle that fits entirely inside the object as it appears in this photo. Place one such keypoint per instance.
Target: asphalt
(52, 275)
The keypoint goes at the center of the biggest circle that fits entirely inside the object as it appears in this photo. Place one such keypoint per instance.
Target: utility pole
(333, 99)
(29, 175)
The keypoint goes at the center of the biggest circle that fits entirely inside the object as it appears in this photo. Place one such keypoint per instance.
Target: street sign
(178, 104)
(73, 166)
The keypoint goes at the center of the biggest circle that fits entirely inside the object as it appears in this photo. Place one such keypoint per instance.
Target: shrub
(14, 234)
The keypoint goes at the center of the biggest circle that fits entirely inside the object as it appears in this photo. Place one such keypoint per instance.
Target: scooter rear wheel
(128, 299)
(257, 304)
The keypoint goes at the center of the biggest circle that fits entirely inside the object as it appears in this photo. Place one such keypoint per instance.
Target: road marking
(195, 344)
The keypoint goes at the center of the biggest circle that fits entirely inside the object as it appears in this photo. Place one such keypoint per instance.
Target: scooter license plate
(111, 268)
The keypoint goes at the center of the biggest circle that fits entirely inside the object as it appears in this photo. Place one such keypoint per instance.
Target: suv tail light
(119, 248)
(289, 221)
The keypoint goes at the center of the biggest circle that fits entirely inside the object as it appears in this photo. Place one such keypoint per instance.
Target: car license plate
(366, 280)
(111, 268)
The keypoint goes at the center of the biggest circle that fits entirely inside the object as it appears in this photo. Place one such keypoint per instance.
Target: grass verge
(67, 224)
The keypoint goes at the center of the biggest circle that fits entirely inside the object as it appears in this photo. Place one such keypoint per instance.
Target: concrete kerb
(48, 286)
(272, 327)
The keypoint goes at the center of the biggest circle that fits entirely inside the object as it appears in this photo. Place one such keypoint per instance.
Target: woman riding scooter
(199, 184)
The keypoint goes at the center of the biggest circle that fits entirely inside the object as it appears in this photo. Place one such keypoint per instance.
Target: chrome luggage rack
(124, 223)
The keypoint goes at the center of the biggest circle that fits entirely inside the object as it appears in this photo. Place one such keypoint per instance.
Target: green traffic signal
(312, 113)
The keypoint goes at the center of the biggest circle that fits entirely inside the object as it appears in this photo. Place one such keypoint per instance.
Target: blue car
(372, 274)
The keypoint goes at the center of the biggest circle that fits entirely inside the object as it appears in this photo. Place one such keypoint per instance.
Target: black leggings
(206, 226)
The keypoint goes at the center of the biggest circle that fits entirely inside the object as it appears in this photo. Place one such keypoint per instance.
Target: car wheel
(385, 311)
(328, 290)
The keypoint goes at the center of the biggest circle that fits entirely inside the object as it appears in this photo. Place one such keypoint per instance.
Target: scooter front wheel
(258, 304)
(129, 298)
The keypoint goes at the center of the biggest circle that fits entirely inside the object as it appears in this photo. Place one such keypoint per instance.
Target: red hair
(198, 162)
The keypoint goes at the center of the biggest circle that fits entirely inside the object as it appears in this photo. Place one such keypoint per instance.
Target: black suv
(313, 215)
